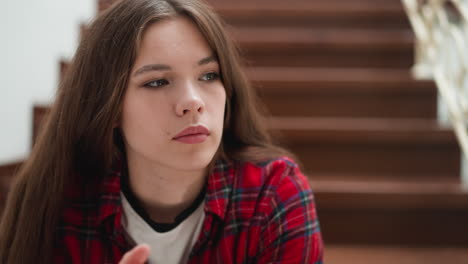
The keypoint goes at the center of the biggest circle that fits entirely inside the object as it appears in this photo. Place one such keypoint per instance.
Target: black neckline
(158, 227)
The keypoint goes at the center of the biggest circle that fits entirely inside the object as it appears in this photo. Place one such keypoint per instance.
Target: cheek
(218, 102)
(141, 119)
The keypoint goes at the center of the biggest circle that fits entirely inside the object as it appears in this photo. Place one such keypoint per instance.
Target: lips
(193, 134)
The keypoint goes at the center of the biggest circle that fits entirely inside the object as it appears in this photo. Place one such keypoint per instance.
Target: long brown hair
(78, 137)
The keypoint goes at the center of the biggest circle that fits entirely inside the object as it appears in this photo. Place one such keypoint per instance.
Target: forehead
(176, 37)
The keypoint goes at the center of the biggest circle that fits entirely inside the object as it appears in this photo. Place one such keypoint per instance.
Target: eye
(211, 76)
(156, 83)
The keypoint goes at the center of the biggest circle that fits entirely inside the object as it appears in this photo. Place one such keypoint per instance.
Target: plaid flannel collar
(219, 188)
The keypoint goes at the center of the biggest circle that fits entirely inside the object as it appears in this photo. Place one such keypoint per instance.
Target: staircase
(335, 75)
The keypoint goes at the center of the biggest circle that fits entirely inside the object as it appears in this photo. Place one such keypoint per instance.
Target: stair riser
(392, 16)
(348, 105)
(396, 22)
(320, 57)
(378, 159)
(431, 228)
(321, 14)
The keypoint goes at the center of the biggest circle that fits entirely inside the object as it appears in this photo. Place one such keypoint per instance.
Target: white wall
(34, 35)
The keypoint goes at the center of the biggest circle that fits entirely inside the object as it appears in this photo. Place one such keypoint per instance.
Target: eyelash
(214, 77)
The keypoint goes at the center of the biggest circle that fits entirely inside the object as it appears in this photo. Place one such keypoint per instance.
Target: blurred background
(35, 35)
(346, 93)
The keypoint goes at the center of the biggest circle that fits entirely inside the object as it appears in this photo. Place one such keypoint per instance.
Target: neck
(162, 191)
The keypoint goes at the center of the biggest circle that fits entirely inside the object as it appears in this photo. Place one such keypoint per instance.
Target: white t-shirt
(172, 247)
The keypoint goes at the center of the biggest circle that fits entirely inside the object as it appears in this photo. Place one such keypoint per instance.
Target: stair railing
(441, 29)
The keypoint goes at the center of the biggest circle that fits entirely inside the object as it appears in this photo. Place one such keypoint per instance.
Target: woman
(155, 143)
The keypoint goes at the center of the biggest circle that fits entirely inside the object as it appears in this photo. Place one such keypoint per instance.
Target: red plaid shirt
(255, 213)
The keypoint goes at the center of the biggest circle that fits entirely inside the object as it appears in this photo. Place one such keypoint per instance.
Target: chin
(196, 159)
(196, 162)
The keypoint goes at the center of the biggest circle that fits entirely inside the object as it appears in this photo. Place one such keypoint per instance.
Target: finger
(138, 255)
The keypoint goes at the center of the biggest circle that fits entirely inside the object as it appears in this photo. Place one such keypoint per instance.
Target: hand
(138, 255)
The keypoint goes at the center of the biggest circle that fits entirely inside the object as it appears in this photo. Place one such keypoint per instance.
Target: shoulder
(274, 182)
(286, 225)
(273, 173)
(274, 201)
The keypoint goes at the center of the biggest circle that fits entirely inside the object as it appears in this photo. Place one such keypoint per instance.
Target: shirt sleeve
(292, 232)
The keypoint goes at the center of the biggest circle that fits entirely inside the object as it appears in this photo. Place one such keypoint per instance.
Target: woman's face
(174, 85)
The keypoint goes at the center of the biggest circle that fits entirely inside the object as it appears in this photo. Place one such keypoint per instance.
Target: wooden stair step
(370, 146)
(283, 46)
(325, 13)
(391, 194)
(350, 254)
(344, 92)
(104, 4)
(382, 40)
(390, 130)
(343, 14)
(398, 212)
(382, 178)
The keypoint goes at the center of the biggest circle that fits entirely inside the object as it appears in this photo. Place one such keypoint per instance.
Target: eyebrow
(164, 67)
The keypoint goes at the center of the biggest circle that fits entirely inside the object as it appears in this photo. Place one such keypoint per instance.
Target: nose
(190, 102)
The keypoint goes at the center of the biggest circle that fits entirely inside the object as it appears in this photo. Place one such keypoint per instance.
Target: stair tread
(309, 10)
(327, 38)
(342, 253)
(390, 186)
(330, 74)
(390, 80)
(410, 130)
(445, 195)
(366, 124)
(323, 8)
